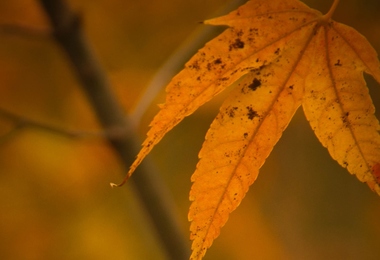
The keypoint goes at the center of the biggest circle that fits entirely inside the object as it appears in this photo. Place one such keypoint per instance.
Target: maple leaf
(286, 55)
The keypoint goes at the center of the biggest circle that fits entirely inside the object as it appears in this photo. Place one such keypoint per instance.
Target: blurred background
(55, 199)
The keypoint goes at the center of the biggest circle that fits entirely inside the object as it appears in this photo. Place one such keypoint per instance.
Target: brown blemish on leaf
(338, 63)
(253, 30)
(218, 61)
(195, 65)
(239, 33)
(231, 111)
(345, 119)
(251, 113)
(376, 172)
(255, 84)
(238, 44)
(224, 79)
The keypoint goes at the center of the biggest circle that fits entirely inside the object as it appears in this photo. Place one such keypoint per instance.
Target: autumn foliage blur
(54, 194)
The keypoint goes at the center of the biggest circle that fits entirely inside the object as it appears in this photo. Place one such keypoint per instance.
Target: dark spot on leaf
(245, 135)
(338, 63)
(251, 113)
(231, 111)
(195, 65)
(255, 84)
(345, 118)
(253, 30)
(238, 44)
(277, 51)
(218, 61)
(291, 86)
(257, 70)
(376, 172)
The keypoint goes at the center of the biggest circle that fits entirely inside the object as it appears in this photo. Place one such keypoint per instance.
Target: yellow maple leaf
(320, 65)
(287, 55)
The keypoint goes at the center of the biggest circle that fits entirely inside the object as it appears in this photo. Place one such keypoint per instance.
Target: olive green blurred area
(55, 199)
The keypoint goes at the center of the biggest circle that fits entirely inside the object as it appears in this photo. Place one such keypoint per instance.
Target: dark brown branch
(68, 33)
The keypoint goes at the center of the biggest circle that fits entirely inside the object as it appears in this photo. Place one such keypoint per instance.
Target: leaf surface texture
(286, 55)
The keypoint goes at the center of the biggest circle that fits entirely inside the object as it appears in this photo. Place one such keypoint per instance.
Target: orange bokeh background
(55, 201)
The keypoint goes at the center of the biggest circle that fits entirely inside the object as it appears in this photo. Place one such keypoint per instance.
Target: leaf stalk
(330, 13)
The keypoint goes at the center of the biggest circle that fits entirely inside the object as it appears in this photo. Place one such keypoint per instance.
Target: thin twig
(10, 134)
(20, 122)
(176, 61)
(152, 192)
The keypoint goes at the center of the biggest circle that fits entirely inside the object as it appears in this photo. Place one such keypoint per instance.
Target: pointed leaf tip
(113, 185)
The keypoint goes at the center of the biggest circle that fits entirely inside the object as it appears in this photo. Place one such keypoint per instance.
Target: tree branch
(176, 60)
(20, 122)
(67, 31)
